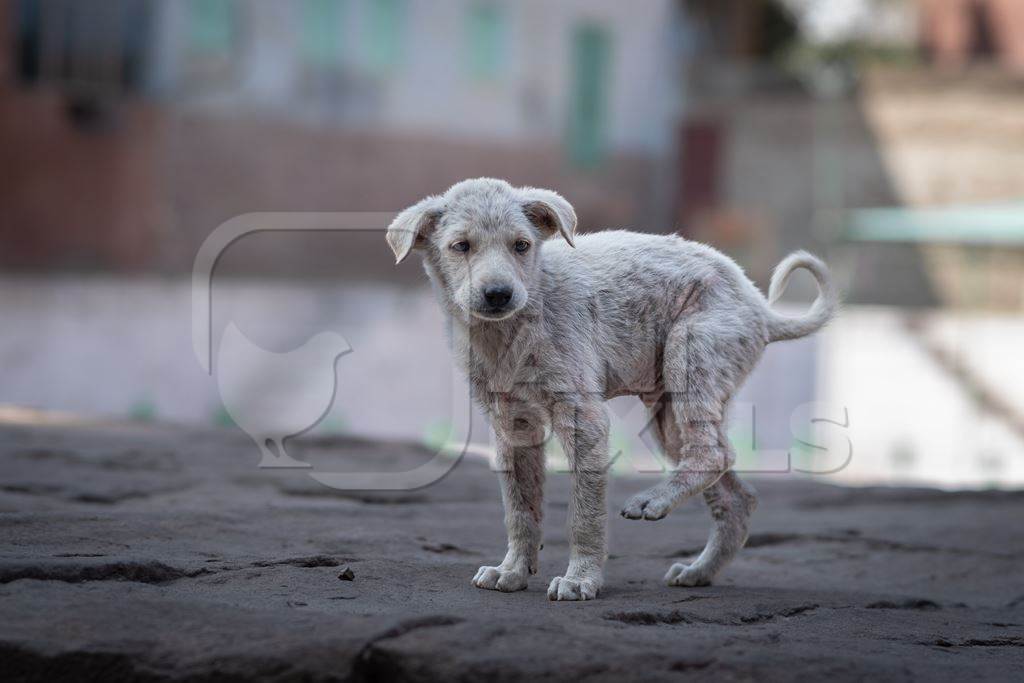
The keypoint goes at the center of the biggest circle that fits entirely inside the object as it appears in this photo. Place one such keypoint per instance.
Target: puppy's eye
(522, 246)
(461, 246)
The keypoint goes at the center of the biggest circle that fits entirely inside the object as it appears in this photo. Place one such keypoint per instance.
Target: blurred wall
(958, 30)
(124, 157)
(131, 128)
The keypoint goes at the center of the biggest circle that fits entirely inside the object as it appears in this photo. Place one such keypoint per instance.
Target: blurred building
(803, 118)
(885, 134)
(957, 31)
(745, 123)
(154, 122)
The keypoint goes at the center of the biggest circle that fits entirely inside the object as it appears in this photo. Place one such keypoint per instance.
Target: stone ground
(159, 553)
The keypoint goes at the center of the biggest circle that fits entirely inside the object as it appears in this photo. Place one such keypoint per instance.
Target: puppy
(549, 324)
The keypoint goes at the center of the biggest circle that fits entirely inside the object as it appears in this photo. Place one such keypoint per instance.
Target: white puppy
(547, 332)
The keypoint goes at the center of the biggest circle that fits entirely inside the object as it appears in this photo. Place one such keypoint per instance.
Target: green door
(320, 32)
(588, 109)
(211, 27)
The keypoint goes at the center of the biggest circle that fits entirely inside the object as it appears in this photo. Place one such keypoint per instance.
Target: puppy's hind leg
(700, 376)
(704, 461)
(729, 499)
(731, 502)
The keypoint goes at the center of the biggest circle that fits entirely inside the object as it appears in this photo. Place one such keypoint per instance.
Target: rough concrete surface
(159, 553)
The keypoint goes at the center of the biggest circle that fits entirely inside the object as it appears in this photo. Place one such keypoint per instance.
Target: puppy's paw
(500, 579)
(653, 504)
(687, 575)
(572, 588)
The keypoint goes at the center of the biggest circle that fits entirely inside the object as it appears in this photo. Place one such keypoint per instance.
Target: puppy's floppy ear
(549, 212)
(412, 227)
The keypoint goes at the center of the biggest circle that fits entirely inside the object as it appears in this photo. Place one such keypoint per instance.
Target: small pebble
(347, 574)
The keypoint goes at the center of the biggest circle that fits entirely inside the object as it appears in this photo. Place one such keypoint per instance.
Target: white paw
(500, 579)
(654, 503)
(572, 588)
(687, 575)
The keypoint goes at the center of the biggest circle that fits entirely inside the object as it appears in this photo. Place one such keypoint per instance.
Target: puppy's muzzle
(496, 302)
(497, 298)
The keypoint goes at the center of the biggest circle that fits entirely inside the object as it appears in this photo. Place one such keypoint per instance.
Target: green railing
(978, 225)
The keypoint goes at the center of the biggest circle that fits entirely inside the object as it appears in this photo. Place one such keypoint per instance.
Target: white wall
(910, 419)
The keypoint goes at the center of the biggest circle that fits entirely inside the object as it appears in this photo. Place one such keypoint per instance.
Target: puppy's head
(482, 240)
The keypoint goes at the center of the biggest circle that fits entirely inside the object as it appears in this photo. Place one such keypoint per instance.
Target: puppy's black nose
(497, 296)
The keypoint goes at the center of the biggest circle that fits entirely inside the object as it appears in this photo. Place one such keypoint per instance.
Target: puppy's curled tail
(782, 327)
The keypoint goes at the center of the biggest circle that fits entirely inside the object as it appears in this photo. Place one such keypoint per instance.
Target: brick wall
(132, 186)
(72, 196)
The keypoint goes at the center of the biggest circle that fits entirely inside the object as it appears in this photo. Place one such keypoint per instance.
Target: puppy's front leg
(521, 466)
(583, 432)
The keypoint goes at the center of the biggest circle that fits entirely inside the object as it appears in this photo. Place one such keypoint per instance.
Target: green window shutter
(485, 40)
(320, 32)
(591, 61)
(385, 27)
(211, 27)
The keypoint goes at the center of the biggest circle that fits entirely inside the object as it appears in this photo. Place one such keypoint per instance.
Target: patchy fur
(584, 318)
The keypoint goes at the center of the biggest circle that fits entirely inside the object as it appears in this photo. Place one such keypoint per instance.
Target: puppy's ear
(412, 227)
(549, 212)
